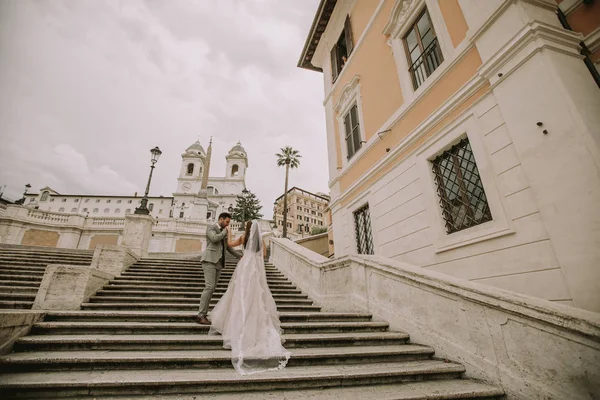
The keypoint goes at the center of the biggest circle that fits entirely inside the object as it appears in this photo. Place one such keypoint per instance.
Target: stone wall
(103, 239)
(317, 243)
(188, 245)
(39, 237)
(530, 347)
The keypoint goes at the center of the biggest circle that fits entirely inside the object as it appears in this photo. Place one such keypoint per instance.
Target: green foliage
(316, 230)
(247, 208)
(288, 156)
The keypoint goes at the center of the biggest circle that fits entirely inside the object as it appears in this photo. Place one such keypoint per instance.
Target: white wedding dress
(247, 317)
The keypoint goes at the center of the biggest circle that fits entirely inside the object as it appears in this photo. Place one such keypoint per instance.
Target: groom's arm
(233, 252)
(215, 237)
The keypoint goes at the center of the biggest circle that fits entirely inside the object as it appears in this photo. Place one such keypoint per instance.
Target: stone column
(137, 233)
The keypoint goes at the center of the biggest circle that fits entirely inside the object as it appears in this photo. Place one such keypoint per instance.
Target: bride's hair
(257, 243)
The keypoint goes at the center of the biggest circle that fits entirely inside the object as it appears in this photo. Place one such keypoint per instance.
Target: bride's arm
(237, 242)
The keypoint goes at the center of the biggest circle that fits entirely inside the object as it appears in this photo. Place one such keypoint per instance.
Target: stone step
(35, 268)
(221, 284)
(198, 341)
(19, 278)
(41, 249)
(114, 328)
(446, 389)
(183, 300)
(121, 286)
(158, 381)
(176, 359)
(43, 260)
(17, 296)
(174, 307)
(22, 272)
(183, 282)
(18, 289)
(199, 275)
(163, 272)
(16, 304)
(186, 316)
(18, 283)
(174, 294)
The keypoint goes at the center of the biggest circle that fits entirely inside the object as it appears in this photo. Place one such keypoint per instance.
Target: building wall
(316, 243)
(303, 209)
(188, 245)
(508, 66)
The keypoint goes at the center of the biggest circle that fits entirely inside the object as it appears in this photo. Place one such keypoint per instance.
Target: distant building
(189, 201)
(305, 211)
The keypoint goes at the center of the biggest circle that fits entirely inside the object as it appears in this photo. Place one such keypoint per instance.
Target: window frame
(363, 211)
(335, 56)
(414, 26)
(501, 225)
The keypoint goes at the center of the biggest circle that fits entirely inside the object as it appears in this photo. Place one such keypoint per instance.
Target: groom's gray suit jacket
(217, 238)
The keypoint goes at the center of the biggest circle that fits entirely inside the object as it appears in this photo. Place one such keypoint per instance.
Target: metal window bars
(461, 193)
(362, 226)
(426, 63)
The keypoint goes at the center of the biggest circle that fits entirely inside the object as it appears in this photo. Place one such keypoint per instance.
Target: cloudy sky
(88, 87)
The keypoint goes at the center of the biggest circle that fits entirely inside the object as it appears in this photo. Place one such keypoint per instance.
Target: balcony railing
(426, 63)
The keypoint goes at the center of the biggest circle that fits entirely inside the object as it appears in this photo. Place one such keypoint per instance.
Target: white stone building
(187, 202)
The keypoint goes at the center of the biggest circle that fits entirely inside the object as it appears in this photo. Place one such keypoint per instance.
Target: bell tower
(237, 162)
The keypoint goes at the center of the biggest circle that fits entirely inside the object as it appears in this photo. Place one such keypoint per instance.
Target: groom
(213, 262)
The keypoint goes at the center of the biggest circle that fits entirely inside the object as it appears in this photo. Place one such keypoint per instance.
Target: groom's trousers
(212, 272)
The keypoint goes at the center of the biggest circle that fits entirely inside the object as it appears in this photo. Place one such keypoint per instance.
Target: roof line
(317, 28)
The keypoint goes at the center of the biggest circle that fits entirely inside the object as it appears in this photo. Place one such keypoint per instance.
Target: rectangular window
(117, 211)
(51, 199)
(97, 200)
(95, 210)
(352, 127)
(118, 201)
(108, 201)
(87, 200)
(459, 186)
(128, 211)
(85, 210)
(129, 201)
(64, 200)
(341, 50)
(422, 49)
(362, 229)
(74, 209)
(76, 200)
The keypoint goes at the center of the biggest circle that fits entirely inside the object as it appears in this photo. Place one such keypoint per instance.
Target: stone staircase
(22, 269)
(135, 338)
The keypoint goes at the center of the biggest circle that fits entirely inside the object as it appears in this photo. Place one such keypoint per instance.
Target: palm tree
(291, 159)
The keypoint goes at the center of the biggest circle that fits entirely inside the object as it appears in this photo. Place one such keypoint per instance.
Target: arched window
(44, 196)
(150, 206)
(182, 205)
(212, 190)
(190, 168)
(62, 209)
(235, 170)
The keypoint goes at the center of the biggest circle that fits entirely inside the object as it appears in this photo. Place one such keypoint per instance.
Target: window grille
(362, 227)
(461, 192)
(352, 127)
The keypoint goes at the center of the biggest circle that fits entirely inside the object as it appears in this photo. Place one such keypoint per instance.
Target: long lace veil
(247, 316)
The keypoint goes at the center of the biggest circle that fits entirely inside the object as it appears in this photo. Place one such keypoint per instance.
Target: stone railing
(107, 222)
(45, 216)
(2, 209)
(530, 347)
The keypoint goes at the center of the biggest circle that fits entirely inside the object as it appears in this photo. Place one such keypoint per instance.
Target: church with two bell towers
(200, 196)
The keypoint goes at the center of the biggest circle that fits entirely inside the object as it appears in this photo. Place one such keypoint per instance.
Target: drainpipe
(585, 52)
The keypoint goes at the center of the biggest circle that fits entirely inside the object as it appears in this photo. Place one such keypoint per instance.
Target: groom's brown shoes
(202, 320)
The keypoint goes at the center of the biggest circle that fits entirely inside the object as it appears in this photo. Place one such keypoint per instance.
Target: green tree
(291, 159)
(247, 207)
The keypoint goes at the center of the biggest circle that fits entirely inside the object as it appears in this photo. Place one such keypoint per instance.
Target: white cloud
(88, 87)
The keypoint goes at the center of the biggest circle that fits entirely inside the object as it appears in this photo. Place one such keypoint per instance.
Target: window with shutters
(341, 50)
(352, 132)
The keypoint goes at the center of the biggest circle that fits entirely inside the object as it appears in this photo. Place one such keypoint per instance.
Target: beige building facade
(306, 211)
(463, 137)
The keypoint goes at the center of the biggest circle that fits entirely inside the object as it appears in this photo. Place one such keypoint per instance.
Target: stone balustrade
(530, 347)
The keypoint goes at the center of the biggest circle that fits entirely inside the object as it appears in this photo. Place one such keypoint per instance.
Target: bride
(246, 316)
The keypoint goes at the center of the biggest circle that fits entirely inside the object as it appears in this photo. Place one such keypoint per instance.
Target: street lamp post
(143, 208)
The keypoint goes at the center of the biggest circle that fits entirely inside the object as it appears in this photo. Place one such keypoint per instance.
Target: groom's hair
(224, 215)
